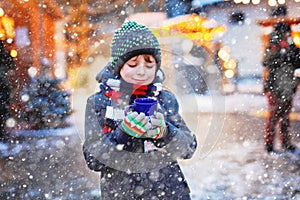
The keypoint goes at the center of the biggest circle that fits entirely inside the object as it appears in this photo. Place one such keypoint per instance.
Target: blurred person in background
(281, 58)
(6, 64)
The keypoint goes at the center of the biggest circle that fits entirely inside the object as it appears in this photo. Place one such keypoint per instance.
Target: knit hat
(130, 40)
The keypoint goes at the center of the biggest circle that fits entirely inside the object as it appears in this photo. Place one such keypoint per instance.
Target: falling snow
(45, 160)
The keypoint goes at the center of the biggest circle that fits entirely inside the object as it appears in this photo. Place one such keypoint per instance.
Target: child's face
(139, 70)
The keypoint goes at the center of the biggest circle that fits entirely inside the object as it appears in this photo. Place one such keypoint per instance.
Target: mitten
(158, 126)
(135, 124)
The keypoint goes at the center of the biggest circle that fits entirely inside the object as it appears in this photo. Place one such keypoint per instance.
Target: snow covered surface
(244, 171)
(230, 162)
(218, 103)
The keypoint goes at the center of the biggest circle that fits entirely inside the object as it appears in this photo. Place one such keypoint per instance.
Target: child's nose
(141, 69)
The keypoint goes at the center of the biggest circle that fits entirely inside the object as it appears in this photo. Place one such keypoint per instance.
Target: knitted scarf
(119, 90)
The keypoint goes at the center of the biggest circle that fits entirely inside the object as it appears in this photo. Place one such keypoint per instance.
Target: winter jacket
(127, 171)
(281, 59)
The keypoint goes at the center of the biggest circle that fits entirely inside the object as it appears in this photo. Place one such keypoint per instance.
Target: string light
(272, 2)
(255, 2)
(246, 1)
(13, 53)
(237, 1)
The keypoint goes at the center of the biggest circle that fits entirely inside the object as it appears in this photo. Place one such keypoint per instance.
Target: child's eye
(131, 65)
(150, 66)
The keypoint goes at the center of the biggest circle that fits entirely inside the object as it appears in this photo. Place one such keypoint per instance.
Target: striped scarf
(118, 90)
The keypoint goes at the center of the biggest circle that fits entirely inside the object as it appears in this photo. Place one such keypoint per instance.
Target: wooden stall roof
(273, 20)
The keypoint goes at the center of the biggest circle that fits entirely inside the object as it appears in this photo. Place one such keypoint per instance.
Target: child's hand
(136, 124)
(159, 128)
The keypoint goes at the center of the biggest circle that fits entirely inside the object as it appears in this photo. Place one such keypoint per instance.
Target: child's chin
(140, 83)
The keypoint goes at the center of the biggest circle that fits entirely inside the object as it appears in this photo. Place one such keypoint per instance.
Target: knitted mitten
(159, 128)
(135, 124)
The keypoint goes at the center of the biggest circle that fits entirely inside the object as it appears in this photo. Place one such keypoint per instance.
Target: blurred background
(52, 50)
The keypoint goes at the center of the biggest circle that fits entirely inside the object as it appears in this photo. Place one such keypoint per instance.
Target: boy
(136, 154)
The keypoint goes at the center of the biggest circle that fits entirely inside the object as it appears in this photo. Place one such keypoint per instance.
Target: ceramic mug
(144, 105)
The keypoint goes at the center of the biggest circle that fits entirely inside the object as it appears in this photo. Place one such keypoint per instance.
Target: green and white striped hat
(130, 40)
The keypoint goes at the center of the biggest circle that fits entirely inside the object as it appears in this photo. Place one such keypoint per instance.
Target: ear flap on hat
(160, 76)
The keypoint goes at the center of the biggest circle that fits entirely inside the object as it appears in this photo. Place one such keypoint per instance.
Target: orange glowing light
(296, 38)
(1, 12)
(8, 25)
(194, 27)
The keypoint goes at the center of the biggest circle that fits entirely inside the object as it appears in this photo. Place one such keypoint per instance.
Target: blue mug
(144, 105)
